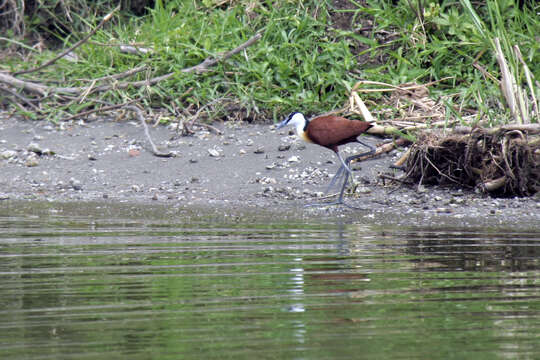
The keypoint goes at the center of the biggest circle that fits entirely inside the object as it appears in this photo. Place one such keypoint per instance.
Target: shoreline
(248, 169)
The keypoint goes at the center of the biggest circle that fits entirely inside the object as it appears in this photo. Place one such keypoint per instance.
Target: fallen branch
(529, 128)
(385, 148)
(121, 75)
(140, 117)
(390, 87)
(208, 62)
(37, 88)
(494, 184)
(21, 98)
(43, 90)
(102, 109)
(401, 161)
(209, 127)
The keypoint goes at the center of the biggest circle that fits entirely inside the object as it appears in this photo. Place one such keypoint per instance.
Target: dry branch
(140, 117)
(208, 62)
(102, 109)
(43, 90)
(386, 148)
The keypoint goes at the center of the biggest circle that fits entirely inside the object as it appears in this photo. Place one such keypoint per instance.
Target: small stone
(266, 180)
(284, 147)
(363, 190)
(136, 188)
(133, 152)
(214, 152)
(249, 142)
(105, 196)
(92, 157)
(8, 154)
(259, 150)
(194, 180)
(293, 159)
(271, 166)
(193, 161)
(75, 184)
(242, 152)
(35, 148)
(31, 161)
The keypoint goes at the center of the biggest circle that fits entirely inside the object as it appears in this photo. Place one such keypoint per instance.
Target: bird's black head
(292, 118)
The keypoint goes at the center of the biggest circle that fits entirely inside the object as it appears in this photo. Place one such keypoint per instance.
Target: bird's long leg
(336, 177)
(345, 167)
(344, 163)
(347, 163)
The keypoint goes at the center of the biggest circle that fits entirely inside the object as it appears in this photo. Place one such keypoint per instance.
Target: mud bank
(248, 169)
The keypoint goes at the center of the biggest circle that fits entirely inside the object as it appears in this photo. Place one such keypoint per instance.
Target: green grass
(446, 43)
(304, 63)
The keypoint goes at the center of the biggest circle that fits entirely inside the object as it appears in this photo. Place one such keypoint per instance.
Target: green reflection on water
(104, 287)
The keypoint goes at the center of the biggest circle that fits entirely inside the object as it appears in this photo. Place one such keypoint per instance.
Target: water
(107, 286)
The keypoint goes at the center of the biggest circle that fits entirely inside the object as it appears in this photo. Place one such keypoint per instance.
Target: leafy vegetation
(306, 60)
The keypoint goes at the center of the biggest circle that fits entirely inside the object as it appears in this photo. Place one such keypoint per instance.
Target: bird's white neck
(299, 122)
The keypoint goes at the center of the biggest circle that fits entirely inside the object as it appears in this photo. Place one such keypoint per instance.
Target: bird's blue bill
(282, 124)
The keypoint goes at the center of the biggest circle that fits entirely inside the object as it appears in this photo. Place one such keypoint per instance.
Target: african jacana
(331, 132)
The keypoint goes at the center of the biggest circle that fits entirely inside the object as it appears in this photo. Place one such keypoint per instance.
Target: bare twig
(140, 117)
(120, 75)
(407, 88)
(209, 127)
(203, 67)
(385, 148)
(393, 178)
(135, 50)
(403, 158)
(529, 128)
(76, 45)
(43, 90)
(104, 108)
(21, 84)
(494, 184)
(20, 97)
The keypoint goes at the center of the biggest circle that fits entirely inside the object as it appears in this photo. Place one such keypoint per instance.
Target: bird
(331, 131)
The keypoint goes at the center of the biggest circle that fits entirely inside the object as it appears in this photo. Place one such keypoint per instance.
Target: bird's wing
(332, 130)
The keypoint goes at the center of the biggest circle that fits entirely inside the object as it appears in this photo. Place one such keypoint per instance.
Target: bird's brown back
(332, 131)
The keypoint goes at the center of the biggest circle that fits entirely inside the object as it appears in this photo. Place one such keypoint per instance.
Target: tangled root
(501, 163)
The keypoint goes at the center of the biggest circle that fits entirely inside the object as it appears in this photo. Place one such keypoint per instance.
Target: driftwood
(502, 162)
